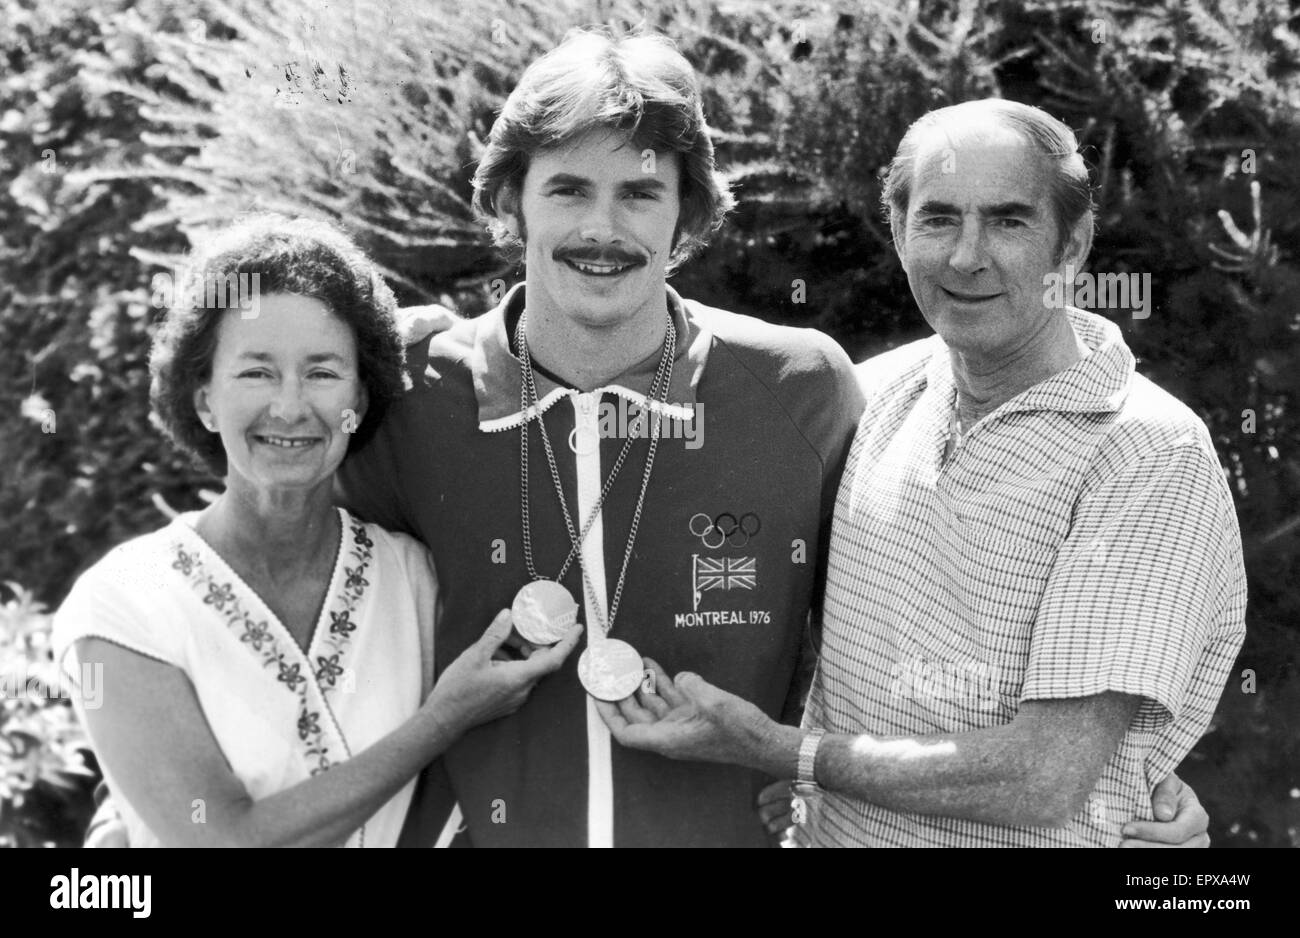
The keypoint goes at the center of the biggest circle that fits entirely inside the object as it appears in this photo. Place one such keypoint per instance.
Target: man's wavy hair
(297, 256)
(1070, 191)
(639, 85)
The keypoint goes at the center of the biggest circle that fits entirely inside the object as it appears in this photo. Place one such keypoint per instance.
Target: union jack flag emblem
(724, 573)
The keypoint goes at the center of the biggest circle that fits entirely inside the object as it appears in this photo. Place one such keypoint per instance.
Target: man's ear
(1078, 245)
(508, 211)
(896, 228)
(202, 409)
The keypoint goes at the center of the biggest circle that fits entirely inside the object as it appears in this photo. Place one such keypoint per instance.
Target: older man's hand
(415, 323)
(776, 811)
(686, 717)
(1180, 819)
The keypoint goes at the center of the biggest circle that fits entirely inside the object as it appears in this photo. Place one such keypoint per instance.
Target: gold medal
(610, 670)
(543, 612)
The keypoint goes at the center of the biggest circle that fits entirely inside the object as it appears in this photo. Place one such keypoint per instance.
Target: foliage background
(129, 126)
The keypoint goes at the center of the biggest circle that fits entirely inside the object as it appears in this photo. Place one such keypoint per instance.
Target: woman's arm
(151, 733)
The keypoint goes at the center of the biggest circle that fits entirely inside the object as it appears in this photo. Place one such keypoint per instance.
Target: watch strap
(808, 757)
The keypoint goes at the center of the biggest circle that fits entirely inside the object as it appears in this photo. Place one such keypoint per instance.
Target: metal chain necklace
(543, 609)
(528, 400)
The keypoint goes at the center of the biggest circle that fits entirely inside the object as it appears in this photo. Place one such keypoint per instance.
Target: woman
(261, 664)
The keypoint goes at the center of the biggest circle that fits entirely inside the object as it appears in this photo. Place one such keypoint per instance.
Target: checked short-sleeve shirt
(1081, 539)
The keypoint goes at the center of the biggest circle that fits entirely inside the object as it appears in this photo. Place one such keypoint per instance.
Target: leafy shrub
(167, 117)
(46, 767)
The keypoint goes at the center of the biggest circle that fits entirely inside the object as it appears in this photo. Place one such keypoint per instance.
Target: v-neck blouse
(336, 599)
(279, 713)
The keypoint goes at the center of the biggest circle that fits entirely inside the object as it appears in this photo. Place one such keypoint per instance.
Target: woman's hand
(483, 684)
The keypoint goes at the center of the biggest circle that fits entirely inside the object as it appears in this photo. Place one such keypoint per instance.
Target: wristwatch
(808, 757)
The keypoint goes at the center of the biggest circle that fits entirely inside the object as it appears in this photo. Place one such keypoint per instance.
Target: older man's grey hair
(1070, 190)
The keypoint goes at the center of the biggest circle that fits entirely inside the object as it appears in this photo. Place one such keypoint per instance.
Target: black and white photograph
(566, 423)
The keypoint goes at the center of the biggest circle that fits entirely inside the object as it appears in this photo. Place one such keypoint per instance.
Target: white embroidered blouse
(280, 715)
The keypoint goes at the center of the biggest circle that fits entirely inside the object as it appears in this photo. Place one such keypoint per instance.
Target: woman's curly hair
(273, 254)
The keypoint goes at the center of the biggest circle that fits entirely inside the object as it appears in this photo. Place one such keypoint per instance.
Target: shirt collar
(496, 369)
(1098, 383)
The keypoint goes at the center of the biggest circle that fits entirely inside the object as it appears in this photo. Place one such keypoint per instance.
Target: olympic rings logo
(726, 528)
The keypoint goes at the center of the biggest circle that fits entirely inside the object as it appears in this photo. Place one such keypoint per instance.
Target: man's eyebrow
(566, 179)
(646, 184)
(1009, 210)
(931, 207)
(998, 210)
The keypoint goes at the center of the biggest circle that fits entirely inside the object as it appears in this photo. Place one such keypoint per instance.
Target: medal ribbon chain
(528, 399)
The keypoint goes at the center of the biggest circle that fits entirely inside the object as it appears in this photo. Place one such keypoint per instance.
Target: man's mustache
(595, 255)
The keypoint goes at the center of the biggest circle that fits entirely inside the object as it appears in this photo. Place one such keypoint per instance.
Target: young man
(1035, 588)
(702, 550)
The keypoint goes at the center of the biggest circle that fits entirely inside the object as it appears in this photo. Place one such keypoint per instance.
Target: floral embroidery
(308, 725)
(341, 623)
(289, 674)
(323, 763)
(329, 668)
(258, 636)
(184, 562)
(255, 633)
(219, 595)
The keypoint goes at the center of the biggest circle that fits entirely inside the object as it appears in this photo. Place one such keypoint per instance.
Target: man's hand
(109, 832)
(776, 811)
(687, 718)
(1180, 819)
(106, 829)
(111, 835)
(415, 323)
(776, 807)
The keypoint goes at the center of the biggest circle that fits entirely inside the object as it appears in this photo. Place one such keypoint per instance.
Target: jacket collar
(497, 375)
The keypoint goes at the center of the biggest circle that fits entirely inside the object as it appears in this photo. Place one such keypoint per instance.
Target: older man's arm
(1036, 770)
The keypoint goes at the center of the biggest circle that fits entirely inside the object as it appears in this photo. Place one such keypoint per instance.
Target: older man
(1035, 587)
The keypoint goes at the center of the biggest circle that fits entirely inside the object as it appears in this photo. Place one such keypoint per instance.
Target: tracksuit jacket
(727, 564)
